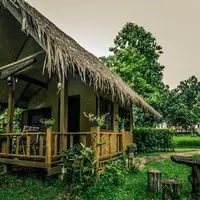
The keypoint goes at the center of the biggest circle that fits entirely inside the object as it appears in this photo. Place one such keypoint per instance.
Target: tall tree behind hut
(135, 58)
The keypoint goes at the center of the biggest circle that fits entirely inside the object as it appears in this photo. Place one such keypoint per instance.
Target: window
(106, 106)
(125, 114)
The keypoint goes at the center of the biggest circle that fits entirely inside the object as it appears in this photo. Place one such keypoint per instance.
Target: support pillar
(132, 125)
(131, 119)
(11, 90)
(11, 94)
(115, 114)
(63, 114)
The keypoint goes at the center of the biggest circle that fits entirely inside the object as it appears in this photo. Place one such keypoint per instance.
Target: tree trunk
(171, 189)
(154, 180)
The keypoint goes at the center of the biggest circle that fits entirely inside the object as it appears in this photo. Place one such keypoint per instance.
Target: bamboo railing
(48, 146)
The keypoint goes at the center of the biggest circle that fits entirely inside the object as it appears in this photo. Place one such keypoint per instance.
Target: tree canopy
(135, 58)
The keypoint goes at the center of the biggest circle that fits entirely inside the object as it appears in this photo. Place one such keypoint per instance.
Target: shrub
(151, 139)
(82, 170)
(114, 175)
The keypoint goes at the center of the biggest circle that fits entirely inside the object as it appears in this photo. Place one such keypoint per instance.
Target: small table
(194, 178)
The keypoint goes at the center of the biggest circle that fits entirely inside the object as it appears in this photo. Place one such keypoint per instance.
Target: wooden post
(28, 145)
(41, 148)
(123, 140)
(11, 89)
(115, 114)
(11, 106)
(171, 189)
(55, 145)
(95, 131)
(48, 146)
(154, 180)
(63, 114)
(84, 140)
(131, 119)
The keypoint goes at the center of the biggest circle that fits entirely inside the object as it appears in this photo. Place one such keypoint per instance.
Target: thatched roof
(64, 55)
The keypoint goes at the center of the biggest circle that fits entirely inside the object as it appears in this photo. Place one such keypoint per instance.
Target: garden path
(147, 159)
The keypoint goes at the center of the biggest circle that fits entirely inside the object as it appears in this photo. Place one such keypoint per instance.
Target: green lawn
(187, 141)
(135, 186)
(15, 187)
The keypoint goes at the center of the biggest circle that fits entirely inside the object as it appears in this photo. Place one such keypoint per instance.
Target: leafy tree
(182, 105)
(188, 91)
(135, 58)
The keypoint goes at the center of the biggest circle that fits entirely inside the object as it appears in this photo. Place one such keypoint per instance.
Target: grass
(21, 187)
(187, 141)
(134, 187)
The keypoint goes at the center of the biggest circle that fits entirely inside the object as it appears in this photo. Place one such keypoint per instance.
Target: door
(74, 113)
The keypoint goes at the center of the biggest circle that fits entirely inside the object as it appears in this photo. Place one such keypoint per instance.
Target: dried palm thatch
(64, 55)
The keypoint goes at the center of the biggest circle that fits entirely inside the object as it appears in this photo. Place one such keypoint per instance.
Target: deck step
(54, 170)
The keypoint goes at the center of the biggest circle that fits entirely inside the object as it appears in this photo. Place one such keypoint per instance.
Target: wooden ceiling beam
(33, 81)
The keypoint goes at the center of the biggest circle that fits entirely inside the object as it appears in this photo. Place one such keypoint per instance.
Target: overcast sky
(95, 23)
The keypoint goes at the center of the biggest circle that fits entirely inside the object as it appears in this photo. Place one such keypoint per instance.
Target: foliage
(182, 105)
(134, 168)
(121, 122)
(48, 122)
(135, 58)
(152, 140)
(132, 145)
(82, 171)
(96, 120)
(17, 122)
(114, 175)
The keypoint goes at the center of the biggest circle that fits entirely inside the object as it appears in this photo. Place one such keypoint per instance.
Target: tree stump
(154, 180)
(171, 189)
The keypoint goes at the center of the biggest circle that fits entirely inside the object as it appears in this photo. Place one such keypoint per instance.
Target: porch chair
(34, 138)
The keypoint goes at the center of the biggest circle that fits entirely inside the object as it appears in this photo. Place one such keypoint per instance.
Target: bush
(114, 176)
(152, 140)
(82, 170)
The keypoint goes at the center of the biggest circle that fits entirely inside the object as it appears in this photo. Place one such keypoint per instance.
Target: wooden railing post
(48, 146)
(83, 139)
(28, 145)
(123, 140)
(95, 131)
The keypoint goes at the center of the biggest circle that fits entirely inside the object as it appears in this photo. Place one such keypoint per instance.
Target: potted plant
(48, 122)
(132, 148)
(95, 121)
(121, 122)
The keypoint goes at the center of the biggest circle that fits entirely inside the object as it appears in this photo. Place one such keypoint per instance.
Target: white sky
(95, 23)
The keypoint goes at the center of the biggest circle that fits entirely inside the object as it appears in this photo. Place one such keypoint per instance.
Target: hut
(50, 75)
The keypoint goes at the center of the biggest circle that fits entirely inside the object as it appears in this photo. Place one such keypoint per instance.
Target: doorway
(74, 113)
(74, 116)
